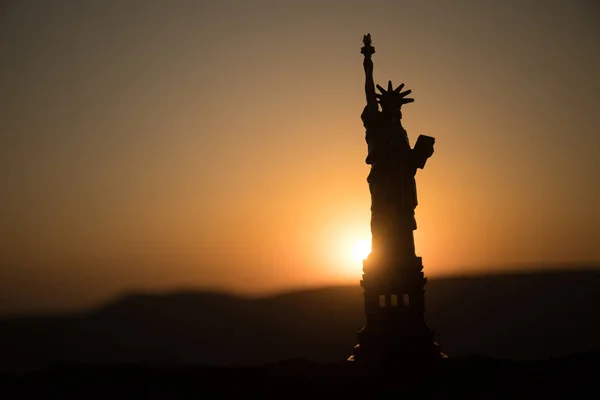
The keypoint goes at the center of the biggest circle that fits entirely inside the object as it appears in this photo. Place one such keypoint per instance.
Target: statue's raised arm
(368, 50)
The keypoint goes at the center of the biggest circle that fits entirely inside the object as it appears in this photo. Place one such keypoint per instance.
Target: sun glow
(344, 245)
(361, 250)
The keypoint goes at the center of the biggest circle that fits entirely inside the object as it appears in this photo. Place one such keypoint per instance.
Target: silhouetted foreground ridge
(472, 377)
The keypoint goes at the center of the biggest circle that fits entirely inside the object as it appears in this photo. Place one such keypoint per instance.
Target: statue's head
(392, 100)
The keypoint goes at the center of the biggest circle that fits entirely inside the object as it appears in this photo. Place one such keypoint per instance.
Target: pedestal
(396, 334)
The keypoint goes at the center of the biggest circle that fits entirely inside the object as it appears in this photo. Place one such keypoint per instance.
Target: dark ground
(570, 377)
(547, 323)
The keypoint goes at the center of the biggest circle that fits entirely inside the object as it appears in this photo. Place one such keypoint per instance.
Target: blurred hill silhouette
(517, 316)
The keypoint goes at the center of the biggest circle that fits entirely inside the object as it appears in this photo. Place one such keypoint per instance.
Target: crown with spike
(393, 99)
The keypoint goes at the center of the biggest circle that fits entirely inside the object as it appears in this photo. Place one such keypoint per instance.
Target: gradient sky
(150, 145)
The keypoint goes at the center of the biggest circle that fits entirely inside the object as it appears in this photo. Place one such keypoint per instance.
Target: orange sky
(149, 145)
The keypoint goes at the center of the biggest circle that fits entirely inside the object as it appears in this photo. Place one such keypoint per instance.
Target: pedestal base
(417, 352)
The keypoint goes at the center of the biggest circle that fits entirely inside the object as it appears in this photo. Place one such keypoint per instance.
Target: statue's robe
(391, 183)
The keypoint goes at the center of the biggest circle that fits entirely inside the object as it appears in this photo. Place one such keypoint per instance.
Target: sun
(361, 250)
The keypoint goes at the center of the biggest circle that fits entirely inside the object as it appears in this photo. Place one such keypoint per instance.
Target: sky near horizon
(148, 145)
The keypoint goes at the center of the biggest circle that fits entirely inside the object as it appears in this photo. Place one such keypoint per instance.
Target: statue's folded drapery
(391, 180)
